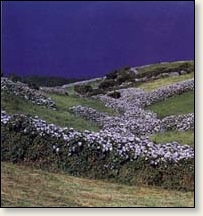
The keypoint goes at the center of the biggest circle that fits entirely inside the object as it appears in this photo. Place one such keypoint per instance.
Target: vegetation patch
(116, 78)
(155, 84)
(83, 89)
(182, 137)
(62, 116)
(156, 69)
(66, 102)
(115, 94)
(23, 186)
(107, 84)
(179, 104)
(130, 174)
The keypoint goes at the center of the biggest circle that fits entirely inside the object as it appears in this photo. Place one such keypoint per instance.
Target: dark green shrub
(125, 76)
(115, 73)
(14, 77)
(121, 75)
(186, 66)
(115, 94)
(112, 75)
(107, 84)
(33, 86)
(83, 89)
(96, 92)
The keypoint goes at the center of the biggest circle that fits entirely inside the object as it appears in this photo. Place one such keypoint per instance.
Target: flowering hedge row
(178, 122)
(131, 97)
(89, 114)
(138, 121)
(22, 90)
(132, 160)
(134, 119)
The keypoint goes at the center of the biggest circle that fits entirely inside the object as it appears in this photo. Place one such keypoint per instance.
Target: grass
(179, 104)
(65, 102)
(185, 137)
(155, 84)
(23, 186)
(168, 66)
(63, 117)
(70, 90)
(94, 85)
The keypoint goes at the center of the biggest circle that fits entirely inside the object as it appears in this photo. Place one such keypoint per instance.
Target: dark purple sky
(77, 39)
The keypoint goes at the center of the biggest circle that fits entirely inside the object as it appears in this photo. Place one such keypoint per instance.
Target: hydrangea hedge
(134, 161)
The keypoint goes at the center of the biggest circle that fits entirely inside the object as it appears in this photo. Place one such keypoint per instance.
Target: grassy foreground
(26, 187)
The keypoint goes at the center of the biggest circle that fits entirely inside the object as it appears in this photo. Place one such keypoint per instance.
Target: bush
(186, 66)
(107, 84)
(112, 75)
(116, 73)
(96, 92)
(83, 89)
(115, 94)
(125, 76)
(121, 75)
(33, 86)
(15, 78)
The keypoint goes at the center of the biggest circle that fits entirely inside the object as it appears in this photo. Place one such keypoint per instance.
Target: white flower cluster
(22, 90)
(4, 117)
(89, 114)
(180, 122)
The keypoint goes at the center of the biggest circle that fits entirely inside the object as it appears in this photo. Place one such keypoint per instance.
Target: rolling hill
(127, 140)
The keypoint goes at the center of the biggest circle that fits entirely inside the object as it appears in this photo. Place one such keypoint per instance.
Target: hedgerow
(22, 143)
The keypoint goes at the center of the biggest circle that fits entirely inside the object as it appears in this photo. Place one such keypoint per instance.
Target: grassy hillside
(167, 67)
(26, 187)
(154, 84)
(183, 137)
(179, 104)
(155, 69)
(65, 102)
(62, 116)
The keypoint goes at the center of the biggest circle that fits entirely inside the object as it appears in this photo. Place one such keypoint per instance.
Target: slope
(61, 190)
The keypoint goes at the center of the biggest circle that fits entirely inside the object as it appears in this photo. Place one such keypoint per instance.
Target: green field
(62, 116)
(26, 187)
(154, 84)
(182, 137)
(65, 102)
(166, 67)
(179, 104)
